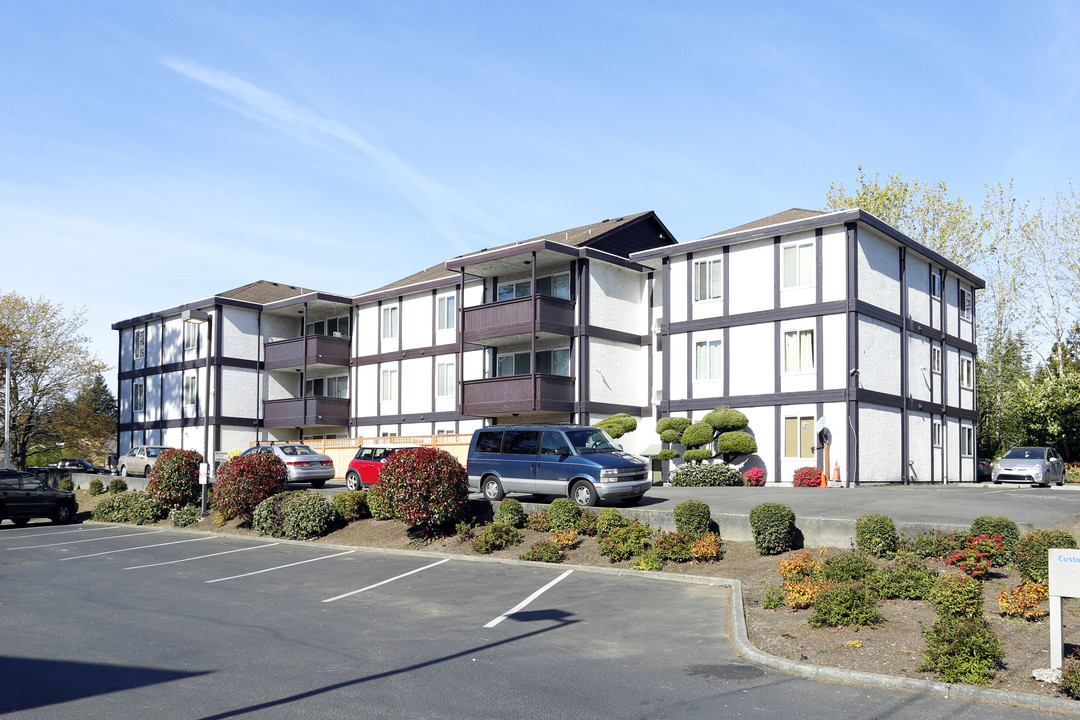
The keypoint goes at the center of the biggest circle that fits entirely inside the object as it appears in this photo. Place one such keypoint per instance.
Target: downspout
(905, 381)
(945, 383)
(532, 340)
(458, 370)
(260, 369)
(303, 373)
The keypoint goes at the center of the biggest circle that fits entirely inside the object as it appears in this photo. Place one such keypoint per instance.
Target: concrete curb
(740, 639)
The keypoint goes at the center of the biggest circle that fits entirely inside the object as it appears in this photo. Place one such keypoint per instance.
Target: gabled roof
(774, 219)
(264, 291)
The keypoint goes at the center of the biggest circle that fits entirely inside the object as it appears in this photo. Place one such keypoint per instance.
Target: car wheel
(123, 471)
(317, 484)
(352, 480)
(633, 499)
(63, 514)
(583, 493)
(997, 482)
(20, 521)
(146, 471)
(493, 489)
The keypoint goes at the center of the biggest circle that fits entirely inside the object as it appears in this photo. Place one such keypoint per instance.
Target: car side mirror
(563, 450)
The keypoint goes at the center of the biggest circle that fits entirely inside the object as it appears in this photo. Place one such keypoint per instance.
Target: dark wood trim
(852, 254)
(189, 365)
(187, 422)
(398, 292)
(905, 380)
(603, 333)
(413, 353)
(581, 344)
(665, 337)
(599, 408)
(433, 417)
(757, 317)
(173, 311)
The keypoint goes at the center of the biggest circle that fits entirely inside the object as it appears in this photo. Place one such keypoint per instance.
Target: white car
(1035, 465)
(304, 464)
(139, 459)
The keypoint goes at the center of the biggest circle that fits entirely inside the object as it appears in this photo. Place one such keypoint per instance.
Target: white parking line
(76, 542)
(528, 600)
(369, 587)
(140, 547)
(200, 557)
(281, 567)
(5, 536)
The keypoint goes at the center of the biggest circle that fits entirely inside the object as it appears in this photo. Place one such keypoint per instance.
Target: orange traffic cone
(836, 472)
(824, 479)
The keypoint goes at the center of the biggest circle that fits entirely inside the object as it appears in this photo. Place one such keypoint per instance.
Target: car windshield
(590, 440)
(1025, 453)
(153, 451)
(296, 450)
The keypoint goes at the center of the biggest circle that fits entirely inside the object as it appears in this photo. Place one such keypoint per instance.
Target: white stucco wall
(752, 361)
(751, 276)
(240, 392)
(679, 289)
(618, 373)
(278, 327)
(918, 281)
(617, 298)
(879, 270)
(366, 333)
(879, 356)
(919, 364)
(803, 295)
(680, 369)
(834, 344)
(416, 388)
(920, 447)
(417, 320)
(240, 333)
(879, 448)
(834, 263)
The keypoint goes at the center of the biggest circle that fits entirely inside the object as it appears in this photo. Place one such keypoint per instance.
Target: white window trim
(389, 322)
(800, 283)
(191, 335)
(800, 334)
(711, 346)
(936, 434)
(935, 359)
(446, 312)
(713, 271)
(935, 284)
(800, 428)
(528, 281)
(965, 304)
(389, 385)
(191, 391)
(967, 441)
(967, 373)
(140, 343)
(445, 375)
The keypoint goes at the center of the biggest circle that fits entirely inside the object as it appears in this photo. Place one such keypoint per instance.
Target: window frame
(708, 273)
(964, 303)
(446, 378)
(935, 358)
(551, 353)
(798, 282)
(714, 357)
(140, 343)
(935, 284)
(799, 334)
(967, 441)
(388, 389)
(937, 434)
(138, 396)
(191, 391)
(967, 373)
(191, 335)
(446, 312)
(389, 322)
(804, 424)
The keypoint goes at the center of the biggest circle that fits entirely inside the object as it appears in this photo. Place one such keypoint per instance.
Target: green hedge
(773, 526)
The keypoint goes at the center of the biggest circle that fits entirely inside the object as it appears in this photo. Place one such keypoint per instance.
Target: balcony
(504, 320)
(312, 350)
(306, 412)
(518, 393)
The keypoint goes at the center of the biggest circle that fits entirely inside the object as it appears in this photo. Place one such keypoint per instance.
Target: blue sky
(153, 153)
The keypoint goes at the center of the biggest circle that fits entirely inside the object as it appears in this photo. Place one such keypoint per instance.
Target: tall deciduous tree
(50, 363)
(87, 424)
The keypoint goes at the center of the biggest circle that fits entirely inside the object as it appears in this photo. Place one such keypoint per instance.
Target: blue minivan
(579, 462)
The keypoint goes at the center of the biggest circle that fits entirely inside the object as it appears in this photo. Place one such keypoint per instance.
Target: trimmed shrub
(563, 514)
(707, 548)
(875, 535)
(962, 650)
(736, 442)
(174, 478)
(244, 482)
(379, 504)
(649, 561)
(774, 598)
(676, 424)
(754, 477)
(351, 505)
(698, 455)
(1070, 678)
(623, 543)
(934, 544)
(67, 484)
(668, 454)
(849, 566)
(564, 540)
(696, 435)
(774, 528)
(957, 595)
(704, 475)
(801, 594)
(725, 419)
(849, 604)
(670, 436)
(185, 515)
(807, 477)
(135, 507)
(1024, 601)
(1003, 527)
(96, 487)
(906, 580)
(426, 488)
(295, 515)
(539, 521)
(542, 551)
(799, 566)
(978, 555)
(609, 520)
(1032, 556)
(618, 424)
(510, 513)
(693, 517)
(674, 546)
(117, 485)
(586, 522)
(496, 537)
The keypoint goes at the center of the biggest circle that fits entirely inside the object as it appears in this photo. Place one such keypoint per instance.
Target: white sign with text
(1064, 565)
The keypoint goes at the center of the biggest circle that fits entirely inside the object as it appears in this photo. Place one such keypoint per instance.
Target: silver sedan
(304, 464)
(1035, 465)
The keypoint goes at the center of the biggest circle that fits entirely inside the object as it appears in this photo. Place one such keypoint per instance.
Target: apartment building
(803, 320)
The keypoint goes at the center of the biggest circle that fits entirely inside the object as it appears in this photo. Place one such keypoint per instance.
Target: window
(708, 280)
(935, 359)
(965, 304)
(935, 284)
(191, 395)
(799, 351)
(708, 360)
(191, 335)
(967, 379)
(799, 437)
(554, 285)
(509, 291)
(336, 327)
(445, 380)
(935, 434)
(138, 396)
(336, 386)
(553, 362)
(798, 260)
(140, 343)
(967, 441)
(389, 323)
(446, 312)
(389, 385)
(512, 364)
(521, 442)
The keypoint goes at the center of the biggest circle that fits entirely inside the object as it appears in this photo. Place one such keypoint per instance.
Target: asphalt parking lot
(127, 622)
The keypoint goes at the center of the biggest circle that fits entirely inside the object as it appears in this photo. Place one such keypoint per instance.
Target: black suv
(23, 496)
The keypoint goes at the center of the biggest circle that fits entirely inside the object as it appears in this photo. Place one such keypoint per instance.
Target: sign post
(1064, 568)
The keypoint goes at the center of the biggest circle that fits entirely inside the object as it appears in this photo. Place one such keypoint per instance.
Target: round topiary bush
(1003, 527)
(875, 535)
(117, 486)
(846, 604)
(96, 487)
(1032, 558)
(714, 474)
(351, 505)
(618, 424)
(563, 515)
(957, 595)
(174, 478)
(426, 487)
(670, 436)
(668, 455)
(697, 455)
(510, 513)
(135, 507)
(807, 477)
(724, 419)
(295, 515)
(773, 526)
(736, 442)
(244, 482)
(676, 424)
(849, 566)
(692, 517)
(697, 435)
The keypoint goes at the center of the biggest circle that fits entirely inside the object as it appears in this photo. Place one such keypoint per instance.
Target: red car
(366, 465)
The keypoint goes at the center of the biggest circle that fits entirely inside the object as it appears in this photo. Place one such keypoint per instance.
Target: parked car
(24, 496)
(366, 465)
(580, 462)
(304, 464)
(983, 470)
(81, 466)
(1036, 465)
(139, 459)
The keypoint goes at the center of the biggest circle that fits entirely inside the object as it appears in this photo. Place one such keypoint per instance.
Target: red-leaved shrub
(244, 482)
(425, 487)
(174, 479)
(754, 477)
(807, 477)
